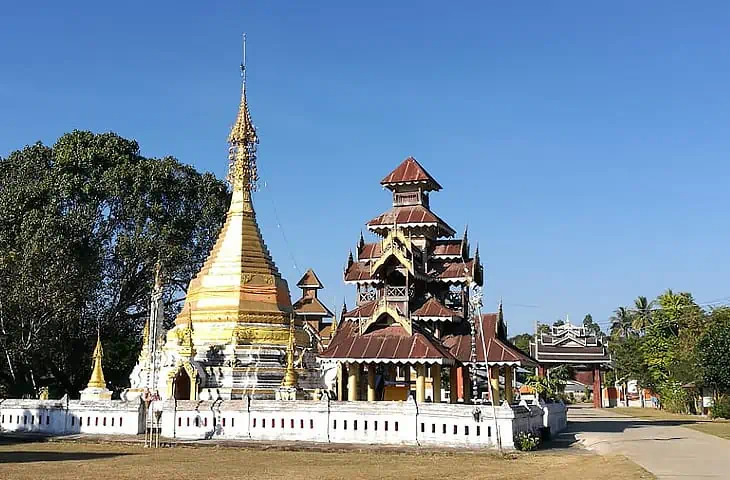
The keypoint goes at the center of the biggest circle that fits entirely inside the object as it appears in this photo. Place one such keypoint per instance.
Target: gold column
(467, 384)
(353, 382)
(341, 372)
(371, 382)
(453, 386)
(420, 383)
(494, 382)
(436, 382)
(508, 389)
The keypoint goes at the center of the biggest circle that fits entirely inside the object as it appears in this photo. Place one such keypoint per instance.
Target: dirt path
(663, 447)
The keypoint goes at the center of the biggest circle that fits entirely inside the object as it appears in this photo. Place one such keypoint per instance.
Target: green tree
(642, 315)
(713, 351)
(621, 323)
(522, 341)
(82, 224)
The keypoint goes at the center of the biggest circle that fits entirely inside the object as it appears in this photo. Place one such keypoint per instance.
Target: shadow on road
(583, 420)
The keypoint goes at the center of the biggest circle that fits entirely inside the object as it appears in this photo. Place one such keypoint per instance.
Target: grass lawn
(59, 460)
(719, 428)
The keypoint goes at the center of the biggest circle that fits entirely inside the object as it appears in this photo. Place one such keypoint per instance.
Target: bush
(721, 408)
(527, 441)
(674, 398)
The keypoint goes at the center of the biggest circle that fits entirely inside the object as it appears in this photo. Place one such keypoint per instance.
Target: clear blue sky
(587, 146)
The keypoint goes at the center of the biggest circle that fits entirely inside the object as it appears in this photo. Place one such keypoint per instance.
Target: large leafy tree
(82, 225)
(592, 328)
(713, 351)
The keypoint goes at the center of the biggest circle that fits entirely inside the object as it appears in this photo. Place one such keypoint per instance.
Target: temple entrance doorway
(182, 385)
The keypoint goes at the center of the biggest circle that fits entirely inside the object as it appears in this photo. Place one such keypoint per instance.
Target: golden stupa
(232, 335)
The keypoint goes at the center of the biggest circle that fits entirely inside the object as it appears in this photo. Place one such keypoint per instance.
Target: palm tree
(642, 316)
(621, 323)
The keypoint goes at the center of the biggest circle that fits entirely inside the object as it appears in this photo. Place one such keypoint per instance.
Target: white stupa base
(95, 393)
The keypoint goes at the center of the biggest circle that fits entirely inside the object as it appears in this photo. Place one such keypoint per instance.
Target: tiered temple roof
(413, 287)
(570, 344)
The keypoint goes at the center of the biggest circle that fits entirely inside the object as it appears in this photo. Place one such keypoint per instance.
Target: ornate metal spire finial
(242, 171)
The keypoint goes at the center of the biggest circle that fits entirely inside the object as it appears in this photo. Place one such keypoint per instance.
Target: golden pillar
(508, 384)
(467, 384)
(420, 383)
(353, 382)
(371, 382)
(494, 383)
(436, 382)
(453, 385)
(341, 372)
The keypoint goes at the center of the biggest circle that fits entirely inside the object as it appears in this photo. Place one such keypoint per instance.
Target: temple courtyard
(79, 460)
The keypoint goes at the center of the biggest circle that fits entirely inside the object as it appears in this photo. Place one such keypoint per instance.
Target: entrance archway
(181, 385)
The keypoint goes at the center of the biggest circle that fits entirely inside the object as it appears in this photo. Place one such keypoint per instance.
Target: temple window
(273, 423)
(386, 425)
(73, 421)
(112, 421)
(376, 425)
(455, 429)
(345, 425)
(396, 426)
(48, 419)
(466, 430)
(224, 421)
(366, 425)
(354, 424)
(292, 423)
(254, 423)
(233, 421)
(433, 428)
(104, 422)
(479, 430)
(96, 421)
(188, 422)
(423, 427)
(179, 421)
(334, 424)
(444, 429)
(120, 421)
(311, 424)
(282, 423)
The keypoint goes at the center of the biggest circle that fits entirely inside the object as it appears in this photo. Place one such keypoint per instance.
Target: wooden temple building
(572, 345)
(315, 316)
(412, 325)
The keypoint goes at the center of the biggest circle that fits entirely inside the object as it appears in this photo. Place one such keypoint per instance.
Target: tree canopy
(82, 225)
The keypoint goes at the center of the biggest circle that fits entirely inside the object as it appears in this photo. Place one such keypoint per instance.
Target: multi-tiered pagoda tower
(413, 291)
(233, 336)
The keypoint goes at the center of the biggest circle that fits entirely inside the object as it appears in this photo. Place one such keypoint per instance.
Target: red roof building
(313, 313)
(412, 311)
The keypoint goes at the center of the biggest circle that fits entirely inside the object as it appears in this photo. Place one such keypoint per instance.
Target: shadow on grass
(20, 456)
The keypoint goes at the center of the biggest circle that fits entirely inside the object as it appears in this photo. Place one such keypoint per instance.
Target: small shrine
(314, 315)
(413, 316)
(569, 344)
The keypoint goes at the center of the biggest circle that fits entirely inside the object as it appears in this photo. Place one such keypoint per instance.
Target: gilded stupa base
(95, 394)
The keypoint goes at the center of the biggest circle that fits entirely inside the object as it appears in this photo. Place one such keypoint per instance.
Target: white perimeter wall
(404, 423)
(63, 417)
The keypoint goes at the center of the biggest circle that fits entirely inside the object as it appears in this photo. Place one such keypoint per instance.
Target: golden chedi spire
(239, 282)
(290, 377)
(97, 374)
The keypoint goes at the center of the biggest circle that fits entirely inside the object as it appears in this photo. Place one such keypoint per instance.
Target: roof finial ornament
(242, 171)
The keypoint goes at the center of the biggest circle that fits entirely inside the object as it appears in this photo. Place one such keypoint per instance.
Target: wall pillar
(341, 374)
(353, 382)
(509, 383)
(371, 382)
(460, 383)
(466, 383)
(453, 386)
(420, 383)
(540, 371)
(494, 384)
(436, 382)
(597, 393)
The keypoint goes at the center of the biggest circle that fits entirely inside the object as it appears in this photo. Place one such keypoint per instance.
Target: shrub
(721, 408)
(527, 441)
(674, 398)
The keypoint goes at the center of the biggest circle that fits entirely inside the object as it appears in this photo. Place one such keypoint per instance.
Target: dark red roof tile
(410, 171)
(413, 214)
(433, 308)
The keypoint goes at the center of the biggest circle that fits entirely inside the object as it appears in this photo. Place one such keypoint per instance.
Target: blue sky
(585, 145)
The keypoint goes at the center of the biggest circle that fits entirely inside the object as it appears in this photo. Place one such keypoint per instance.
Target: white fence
(63, 417)
(325, 421)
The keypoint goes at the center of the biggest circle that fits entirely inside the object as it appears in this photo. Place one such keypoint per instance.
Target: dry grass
(58, 460)
(719, 428)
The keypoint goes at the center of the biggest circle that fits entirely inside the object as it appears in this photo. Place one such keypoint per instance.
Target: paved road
(665, 448)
